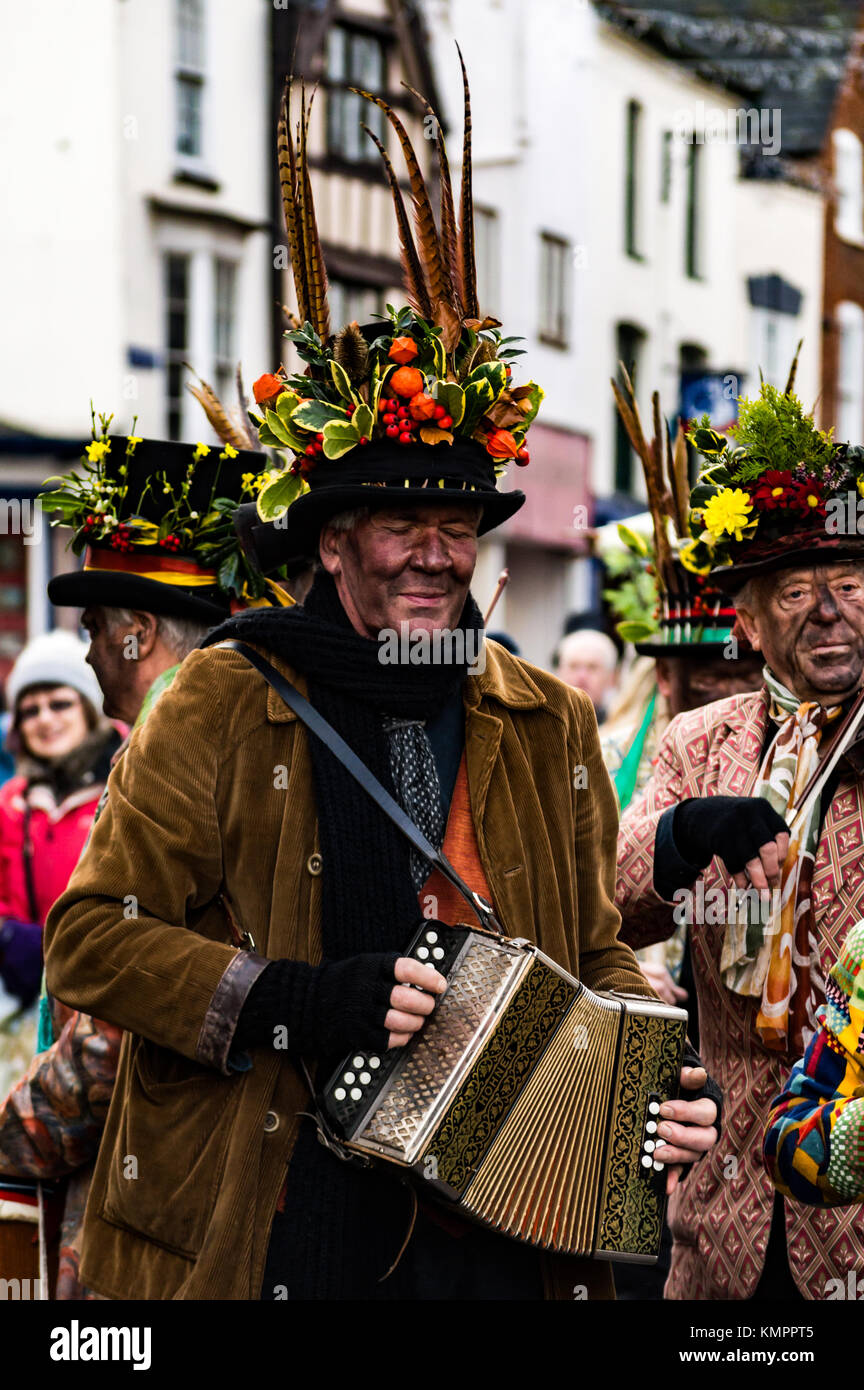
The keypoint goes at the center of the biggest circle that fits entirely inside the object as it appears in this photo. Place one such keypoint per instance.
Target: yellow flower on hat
(98, 449)
(201, 451)
(728, 511)
(229, 452)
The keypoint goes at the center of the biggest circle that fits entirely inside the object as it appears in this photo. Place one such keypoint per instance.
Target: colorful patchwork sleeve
(814, 1140)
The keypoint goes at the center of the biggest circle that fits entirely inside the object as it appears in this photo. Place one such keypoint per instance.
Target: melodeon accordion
(526, 1101)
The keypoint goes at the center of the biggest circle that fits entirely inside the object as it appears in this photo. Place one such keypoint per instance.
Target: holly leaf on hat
(342, 382)
(636, 544)
(494, 373)
(276, 496)
(339, 437)
(452, 397)
(316, 415)
(228, 571)
(281, 432)
(362, 420)
(528, 398)
(635, 631)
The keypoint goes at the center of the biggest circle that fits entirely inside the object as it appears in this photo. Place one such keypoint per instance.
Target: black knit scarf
(368, 901)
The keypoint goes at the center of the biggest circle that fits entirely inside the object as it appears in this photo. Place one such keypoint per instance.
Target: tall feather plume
(290, 202)
(790, 381)
(428, 244)
(659, 499)
(243, 403)
(316, 273)
(468, 277)
(449, 244)
(412, 270)
(223, 426)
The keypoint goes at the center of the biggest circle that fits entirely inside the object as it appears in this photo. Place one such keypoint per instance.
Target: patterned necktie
(418, 790)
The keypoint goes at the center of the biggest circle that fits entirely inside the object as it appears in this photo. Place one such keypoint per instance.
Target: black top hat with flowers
(153, 520)
(776, 492)
(690, 616)
(417, 408)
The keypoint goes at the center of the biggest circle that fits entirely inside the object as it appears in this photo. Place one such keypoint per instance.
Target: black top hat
(154, 521)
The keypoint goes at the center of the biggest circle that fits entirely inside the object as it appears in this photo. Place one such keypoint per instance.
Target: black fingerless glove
(733, 827)
(326, 1009)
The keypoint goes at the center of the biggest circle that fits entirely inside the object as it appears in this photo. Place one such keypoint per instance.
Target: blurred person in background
(64, 747)
(588, 659)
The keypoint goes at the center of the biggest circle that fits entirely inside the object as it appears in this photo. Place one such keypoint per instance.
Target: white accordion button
(649, 1146)
(349, 1078)
(422, 952)
(654, 1108)
(365, 1078)
(356, 1094)
(374, 1063)
(339, 1093)
(650, 1128)
(431, 937)
(358, 1061)
(438, 953)
(646, 1161)
(657, 1166)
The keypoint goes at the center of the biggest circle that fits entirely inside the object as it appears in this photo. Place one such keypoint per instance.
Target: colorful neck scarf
(770, 952)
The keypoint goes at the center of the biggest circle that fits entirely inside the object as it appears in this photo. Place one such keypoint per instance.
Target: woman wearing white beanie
(63, 747)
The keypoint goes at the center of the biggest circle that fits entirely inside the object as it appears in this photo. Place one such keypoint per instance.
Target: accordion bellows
(527, 1100)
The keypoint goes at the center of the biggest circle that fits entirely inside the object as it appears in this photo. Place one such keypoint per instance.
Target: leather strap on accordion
(360, 772)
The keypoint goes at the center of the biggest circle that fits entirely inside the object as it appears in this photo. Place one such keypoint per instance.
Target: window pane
(336, 58)
(224, 301)
(176, 290)
(188, 116)
(190, 33)
(367, 62)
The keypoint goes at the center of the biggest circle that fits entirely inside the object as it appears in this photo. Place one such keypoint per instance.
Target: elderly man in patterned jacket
(715, 819)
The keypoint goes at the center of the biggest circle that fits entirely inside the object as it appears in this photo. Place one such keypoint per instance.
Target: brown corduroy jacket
(214, 799)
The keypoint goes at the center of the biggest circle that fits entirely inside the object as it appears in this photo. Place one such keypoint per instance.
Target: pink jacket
(57, 832)
(721, 1216)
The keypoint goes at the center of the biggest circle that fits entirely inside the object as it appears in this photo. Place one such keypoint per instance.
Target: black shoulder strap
(360, 772)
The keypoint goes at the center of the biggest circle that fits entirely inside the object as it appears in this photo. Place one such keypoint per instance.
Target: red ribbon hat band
(167, 569)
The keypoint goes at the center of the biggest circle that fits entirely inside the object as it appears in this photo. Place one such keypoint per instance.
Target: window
(224, 327)
(693, 216)
(354, 59)
(487, 255)
(189, 77)
(666, 148)
(849, 184)
(632, 188)
(629, 345)
(176, 286)
(350, 300)
(555, 260)
(850, 372)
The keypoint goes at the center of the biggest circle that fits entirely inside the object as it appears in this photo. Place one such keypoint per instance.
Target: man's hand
(686, 1130)
(744, 832)
(661, 982)
(409, 1007)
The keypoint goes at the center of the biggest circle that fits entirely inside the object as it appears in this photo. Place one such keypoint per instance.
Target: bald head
(587, 659)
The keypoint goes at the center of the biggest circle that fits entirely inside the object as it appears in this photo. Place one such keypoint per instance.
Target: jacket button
(271, 1121)
(314, 864)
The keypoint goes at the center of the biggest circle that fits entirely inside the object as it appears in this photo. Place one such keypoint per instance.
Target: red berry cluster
(171, 542)
(122, 539)
(93, 520)
(399, 423)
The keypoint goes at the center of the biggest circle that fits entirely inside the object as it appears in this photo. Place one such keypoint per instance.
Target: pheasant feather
(412, 270)
(468, 275)
(449, 245)
(316, 273)
(288, 182)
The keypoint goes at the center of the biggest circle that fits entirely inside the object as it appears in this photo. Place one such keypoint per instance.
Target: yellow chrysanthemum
(98, 449)
(727, 512)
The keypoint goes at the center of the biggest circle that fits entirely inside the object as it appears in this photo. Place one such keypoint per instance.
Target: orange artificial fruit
(422, 406)
(502, 445)
(407, 381)
(267, 387)
(402, 350)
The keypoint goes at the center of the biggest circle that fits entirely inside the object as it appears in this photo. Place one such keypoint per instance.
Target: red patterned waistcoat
(721, 1216)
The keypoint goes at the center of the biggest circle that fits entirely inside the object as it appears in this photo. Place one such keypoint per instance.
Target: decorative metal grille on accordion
(526, 1099)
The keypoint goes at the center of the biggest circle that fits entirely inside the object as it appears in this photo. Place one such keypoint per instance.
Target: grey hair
(750, 595)
(180, 635)
(346, 521)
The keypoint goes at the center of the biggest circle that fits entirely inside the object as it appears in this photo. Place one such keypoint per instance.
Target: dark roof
(783, 54)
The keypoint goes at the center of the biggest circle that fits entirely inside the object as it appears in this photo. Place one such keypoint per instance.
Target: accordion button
(356, 1094)
(358, 1061)
(657, 1166)
(438, 953)
(649, 1146)
(650, 1128)
(646, 1161)
(339, 1093)
(374, 1063)
(349, 1078)
(422, 952)
(654, 1108)
(365, 1078)
(431, 937)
